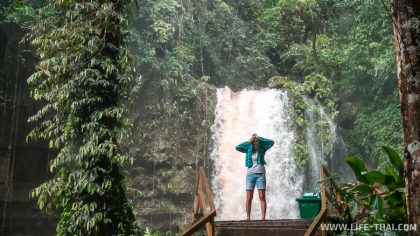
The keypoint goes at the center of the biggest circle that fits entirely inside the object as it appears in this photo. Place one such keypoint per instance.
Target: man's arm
(266, 143)
(243, 147)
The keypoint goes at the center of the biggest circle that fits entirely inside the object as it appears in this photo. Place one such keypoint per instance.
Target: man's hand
(254, 136)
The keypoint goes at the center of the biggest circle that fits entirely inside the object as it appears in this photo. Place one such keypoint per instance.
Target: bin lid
(309, 196)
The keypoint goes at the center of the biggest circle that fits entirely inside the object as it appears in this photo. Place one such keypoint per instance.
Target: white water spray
(315, 154)
(331, 144)
(239, 115)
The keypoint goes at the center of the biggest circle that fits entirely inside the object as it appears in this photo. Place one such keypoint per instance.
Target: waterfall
(239, 115)
(314, 152)
(324, 144)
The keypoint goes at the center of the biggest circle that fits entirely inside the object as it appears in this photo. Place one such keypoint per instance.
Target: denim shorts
(253, 179)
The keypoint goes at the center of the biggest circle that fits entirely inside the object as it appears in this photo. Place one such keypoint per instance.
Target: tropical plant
(82, 78)
(149, 232)
(378, 197)
(341, 53)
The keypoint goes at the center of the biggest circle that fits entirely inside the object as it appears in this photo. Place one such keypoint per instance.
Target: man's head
(255, 142)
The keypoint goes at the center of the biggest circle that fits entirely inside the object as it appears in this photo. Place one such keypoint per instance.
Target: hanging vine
(82, 77)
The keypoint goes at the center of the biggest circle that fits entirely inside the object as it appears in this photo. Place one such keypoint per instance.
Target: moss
(300, 154)
(300, 147)
(278, 81)
(170, 136)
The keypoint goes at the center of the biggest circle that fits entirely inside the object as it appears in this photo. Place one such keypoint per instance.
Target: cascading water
(324, 144)
(315, 154)
(239, 115)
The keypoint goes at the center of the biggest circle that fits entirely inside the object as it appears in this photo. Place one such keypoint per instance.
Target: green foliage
(178, 46)
(342, 54)
(301, 117)
(82, 77)
(278, 81)
(299, 106)
(376, 125)
(168, 142)
(380, 193)
(203, 39)
(300, 147)
(149, 232)
(368, 61)
(300, 154)
(176, 107)
(24, 15)
(336, 52)
(300, 49)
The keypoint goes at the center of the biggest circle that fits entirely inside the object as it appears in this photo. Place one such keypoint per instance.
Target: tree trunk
(406, 17)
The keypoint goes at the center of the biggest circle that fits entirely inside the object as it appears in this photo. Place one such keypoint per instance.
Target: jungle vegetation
(168, 54)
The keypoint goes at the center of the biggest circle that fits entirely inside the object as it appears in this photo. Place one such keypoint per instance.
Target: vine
(82, 77)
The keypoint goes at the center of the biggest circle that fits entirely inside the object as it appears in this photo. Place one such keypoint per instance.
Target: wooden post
(207, 189)
(210, 227)
(323, 197)
(195, 209)
(200, 207)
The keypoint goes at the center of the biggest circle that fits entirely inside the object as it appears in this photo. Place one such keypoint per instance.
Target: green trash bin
(309, 205)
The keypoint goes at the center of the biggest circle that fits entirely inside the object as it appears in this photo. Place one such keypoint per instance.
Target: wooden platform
(284, 227)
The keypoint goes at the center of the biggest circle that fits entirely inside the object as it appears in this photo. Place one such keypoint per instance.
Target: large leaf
(358, 167)
(396, 199)
(353, 209)
(362, 189)
(356, 164)
(401, 181)
(377, 177)
(392, 186)
(377, 205)
(401, 190)
(395, 159)
(391, 171)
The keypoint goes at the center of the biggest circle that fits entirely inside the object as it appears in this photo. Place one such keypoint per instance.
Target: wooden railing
(201, 214)
(325, 177)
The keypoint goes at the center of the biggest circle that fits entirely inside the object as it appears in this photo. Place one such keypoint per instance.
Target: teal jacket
(246, 147)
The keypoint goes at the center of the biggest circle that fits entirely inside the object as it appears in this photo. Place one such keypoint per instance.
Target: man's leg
(261, 194)
(250, 185)
(249, 195)
(261, 185)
